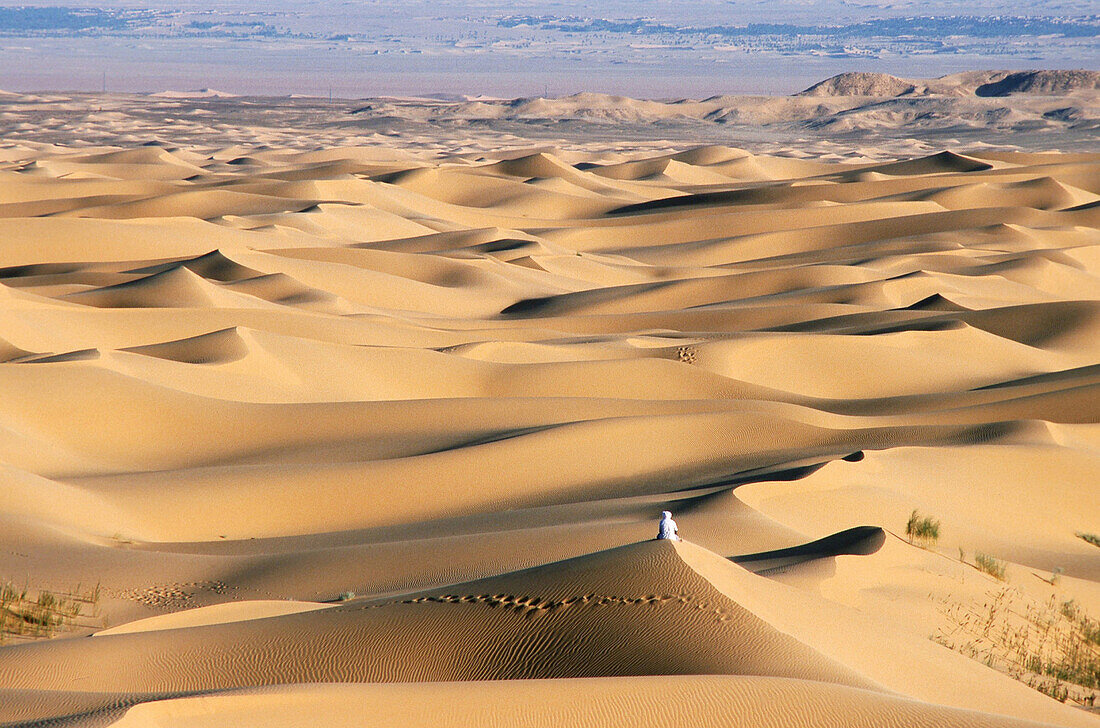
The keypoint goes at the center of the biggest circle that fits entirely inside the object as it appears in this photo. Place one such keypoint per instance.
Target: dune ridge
(367, 425)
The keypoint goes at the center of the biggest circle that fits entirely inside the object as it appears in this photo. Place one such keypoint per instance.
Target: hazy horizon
(646, 49)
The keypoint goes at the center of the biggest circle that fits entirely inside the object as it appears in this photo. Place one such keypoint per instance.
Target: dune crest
(295, 431)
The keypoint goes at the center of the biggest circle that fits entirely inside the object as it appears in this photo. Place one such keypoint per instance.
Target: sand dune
(367, 426)
(634, 608)
(693, 700)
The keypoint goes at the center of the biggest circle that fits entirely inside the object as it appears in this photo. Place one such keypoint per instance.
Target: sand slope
(696, 700)
(406, 421)
(653, 608)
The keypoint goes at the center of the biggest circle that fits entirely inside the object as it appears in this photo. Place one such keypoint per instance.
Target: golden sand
(349, 438)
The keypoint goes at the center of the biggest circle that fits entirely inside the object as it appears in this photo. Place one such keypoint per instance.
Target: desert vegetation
(35, 614)
(990, 565)
(1053, 647)
(922, 530)
(1089, 537)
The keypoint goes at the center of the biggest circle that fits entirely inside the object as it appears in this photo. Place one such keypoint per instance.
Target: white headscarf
(667, 527)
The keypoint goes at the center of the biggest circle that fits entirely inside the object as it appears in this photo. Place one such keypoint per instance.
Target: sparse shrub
(1056, 575)
(346, 596)
(1055, 689)
(42, 616)
(990, 565)
(924, 529)
(1076, 668)
(1090, 630)
(1034, 663)
(1089, 537)
(1054, 647)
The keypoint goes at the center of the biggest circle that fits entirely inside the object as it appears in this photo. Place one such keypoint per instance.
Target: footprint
(686, 354)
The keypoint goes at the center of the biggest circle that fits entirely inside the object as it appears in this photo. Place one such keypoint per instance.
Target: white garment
(667, 528)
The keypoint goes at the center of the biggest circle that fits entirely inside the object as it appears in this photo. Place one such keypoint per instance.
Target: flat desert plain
(361, 435)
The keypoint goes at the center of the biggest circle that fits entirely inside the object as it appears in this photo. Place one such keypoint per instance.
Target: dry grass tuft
(923, 530)
(1053, 647)
(43, 614)
(990, 565)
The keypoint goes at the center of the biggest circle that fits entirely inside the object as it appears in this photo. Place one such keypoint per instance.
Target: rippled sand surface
(361, 436)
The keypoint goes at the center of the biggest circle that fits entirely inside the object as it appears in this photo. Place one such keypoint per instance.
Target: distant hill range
(1021, 109)
(971, 83)
(1062, 105)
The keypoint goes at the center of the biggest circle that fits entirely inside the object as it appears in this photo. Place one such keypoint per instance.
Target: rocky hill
(971, 83)
(1045, 83)
(860, 84)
